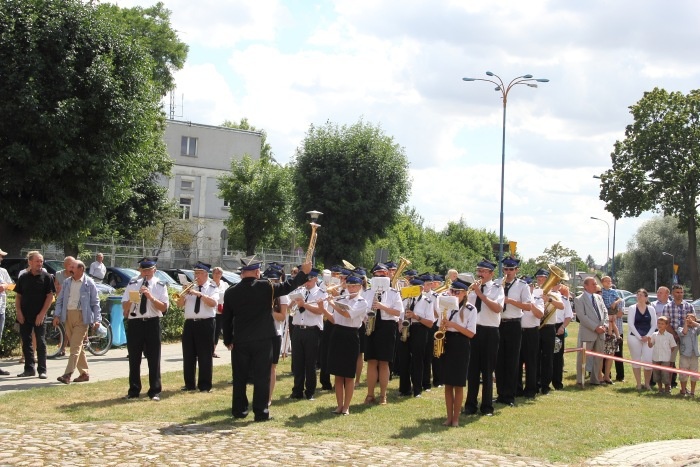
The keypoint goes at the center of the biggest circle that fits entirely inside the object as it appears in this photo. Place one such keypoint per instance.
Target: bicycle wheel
(97, 345)
(54, 339)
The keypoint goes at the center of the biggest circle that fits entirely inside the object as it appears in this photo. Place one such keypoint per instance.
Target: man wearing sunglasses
(517, 300)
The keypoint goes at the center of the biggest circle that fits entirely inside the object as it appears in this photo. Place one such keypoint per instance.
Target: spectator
(641, 319)
(662, 343)
(97, 268)
(5, 284)
(689, 352)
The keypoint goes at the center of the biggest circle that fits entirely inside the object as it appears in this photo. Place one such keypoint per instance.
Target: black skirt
(343, 349)
(363, 338)
(381, 343)
(455, 360)
(276, 347)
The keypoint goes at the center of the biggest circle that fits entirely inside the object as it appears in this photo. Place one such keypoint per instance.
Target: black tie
(142, 305)
(506, 289)
(198, 302)
(306, 297)
(478, 300)
(379, 299)
(595, 305)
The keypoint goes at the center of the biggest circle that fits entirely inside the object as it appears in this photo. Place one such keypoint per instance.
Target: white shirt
(74, 293)
(486, 317)
(529, 320)
(390, 298)
(98, 270)
(279, 325)
(5, 280)
(465, 317)
(518, 291)
(358, 311)
(209, 289)
(424, 307)
(567, 312)
(663, 343)
(307, 318)
(552, 319)
(159, 291)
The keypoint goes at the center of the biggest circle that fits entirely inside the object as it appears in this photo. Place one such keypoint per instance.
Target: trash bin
(116, 318)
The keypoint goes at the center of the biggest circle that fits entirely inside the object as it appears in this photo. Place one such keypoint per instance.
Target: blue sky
(288, 64)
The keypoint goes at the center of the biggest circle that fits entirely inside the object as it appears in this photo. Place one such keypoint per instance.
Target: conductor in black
(249, 332)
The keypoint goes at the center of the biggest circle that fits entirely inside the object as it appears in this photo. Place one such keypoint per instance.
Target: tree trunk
(13, 239)
(71, 248)
(693, 258)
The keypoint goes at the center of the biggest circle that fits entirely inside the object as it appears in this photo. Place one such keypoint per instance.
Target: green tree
(79, 107)
(644, 255)
(590, 262)
(559, 255)
(657, 166)
(258, 193)
(151, 28)
(358, 177)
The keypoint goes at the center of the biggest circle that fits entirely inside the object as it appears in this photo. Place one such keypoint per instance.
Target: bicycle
(56, 336)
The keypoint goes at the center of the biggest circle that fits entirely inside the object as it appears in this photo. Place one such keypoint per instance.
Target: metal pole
(612, 273)
(503, 174)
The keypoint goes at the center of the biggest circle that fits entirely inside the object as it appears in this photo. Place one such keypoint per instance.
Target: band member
(279, 313)
(517, 300)
(530, 347)
(547, 330)
(308, 324)
(435, 364)
(249, 333)
(487, 297)
(144, 303)
(200, 303)
(336, 290)
(349, 310)
(460, 328)
(419, 316)
(362, 274)
(380, 344)
(564, 317)
(216, 275)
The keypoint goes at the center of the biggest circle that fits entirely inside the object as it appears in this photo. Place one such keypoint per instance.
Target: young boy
(688, 334)
(662, 342)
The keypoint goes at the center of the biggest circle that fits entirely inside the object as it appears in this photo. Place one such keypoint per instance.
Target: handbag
(610, 344)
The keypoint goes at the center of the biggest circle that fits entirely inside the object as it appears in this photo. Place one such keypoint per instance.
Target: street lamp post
(673, 267)
(612, 269)
(527, 80)
(607, 258)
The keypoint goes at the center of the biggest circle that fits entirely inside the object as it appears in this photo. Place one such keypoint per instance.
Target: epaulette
(522, 281)
(133, 281)
(497, 284)
(469, 306)
(435, 294)
(162, 284)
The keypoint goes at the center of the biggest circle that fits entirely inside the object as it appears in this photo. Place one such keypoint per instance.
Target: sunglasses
(509, 269)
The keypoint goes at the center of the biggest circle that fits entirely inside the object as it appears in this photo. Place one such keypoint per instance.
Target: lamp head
(314, 215)
(527, 76)
(468, 79)
(488, 73)
(542, 80)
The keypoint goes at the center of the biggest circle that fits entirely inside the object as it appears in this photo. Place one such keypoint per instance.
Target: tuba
(556, 275)
(445, 303)
(312, 242)
(403, 263)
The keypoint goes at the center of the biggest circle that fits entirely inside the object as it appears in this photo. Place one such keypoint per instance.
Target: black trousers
(558, 362)
(546, 360)
(251, 359)
(25, 331)
(529, 352)
(305, 342)
(197, 342)
(218, 329)
(324, 376)
(620, 366)
(417, 342)
(143, 337)
(510, 336)
(428, 356)
(482, 361)
(403, 360)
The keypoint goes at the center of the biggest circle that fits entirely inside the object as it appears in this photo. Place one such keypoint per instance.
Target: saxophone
(439, 343)
(405, 325)
(372, 316)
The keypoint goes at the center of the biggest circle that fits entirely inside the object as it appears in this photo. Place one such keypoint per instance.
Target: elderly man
(78, 308)
(33, 298)
(5, 284)
(593, 316)
(97, 268)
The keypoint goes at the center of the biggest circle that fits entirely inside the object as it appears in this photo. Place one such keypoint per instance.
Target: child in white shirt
(662, 343)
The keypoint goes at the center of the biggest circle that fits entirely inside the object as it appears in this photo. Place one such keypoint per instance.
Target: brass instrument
(445, 303)
(444, 287)
(348, 265)
(556, 275)
(405, 325)
(476, 283)
(332, 289)
(184, 290)
(403, 263)
(312, 242)
(379, 284)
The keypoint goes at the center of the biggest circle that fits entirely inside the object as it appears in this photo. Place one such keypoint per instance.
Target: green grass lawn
(564, 426)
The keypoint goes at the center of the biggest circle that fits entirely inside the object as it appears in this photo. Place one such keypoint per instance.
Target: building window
(187, 185)
(227, 204)
(186, 208)
(189, 146)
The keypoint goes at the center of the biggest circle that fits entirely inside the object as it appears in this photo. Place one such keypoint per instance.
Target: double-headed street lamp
(607, 258)
(612, 267)
(527, 80)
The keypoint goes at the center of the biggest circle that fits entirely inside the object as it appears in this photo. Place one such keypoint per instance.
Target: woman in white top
(344, 346)
(279, 313)
(641, 320)
(216, 274)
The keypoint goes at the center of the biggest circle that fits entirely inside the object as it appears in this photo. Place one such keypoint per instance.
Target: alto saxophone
(372, 316)
(405, 325)
(439, 343)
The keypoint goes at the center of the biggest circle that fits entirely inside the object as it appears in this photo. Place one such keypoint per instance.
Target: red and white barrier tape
(635, 362)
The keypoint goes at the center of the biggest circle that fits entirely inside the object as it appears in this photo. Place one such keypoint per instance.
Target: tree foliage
(358, 177)
(82, 124)
(258, 193)
(151, 28)
(657, 165)
(557, 254)
(645, 254)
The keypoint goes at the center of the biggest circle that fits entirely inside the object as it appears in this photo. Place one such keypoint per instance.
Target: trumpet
(184, 291)
(476, 283)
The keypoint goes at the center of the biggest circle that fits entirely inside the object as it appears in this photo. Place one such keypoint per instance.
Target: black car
(15, 265)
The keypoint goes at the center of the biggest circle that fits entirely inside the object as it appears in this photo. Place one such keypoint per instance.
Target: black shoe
(241, 414)
(468, 411)
(296, 396)
(262, 419)
(327, 388)
(155, 398)
(206, 390)
(404, 394)
(129, 397)
(310, 398)
(26, 374)
(185, 389)
(4, 373)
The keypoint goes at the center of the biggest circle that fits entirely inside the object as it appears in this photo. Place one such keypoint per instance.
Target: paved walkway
(135, 444)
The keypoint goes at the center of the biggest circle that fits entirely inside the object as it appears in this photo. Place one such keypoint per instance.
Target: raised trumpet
(184, 290)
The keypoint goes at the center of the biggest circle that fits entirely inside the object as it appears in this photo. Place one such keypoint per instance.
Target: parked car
(119, 277)
(623, 294)
(696, 305)
(169, 281)
(231, 278)
(15, 265)
(174, 274)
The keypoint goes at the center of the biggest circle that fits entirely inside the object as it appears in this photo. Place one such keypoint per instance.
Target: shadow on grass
(435, 424)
